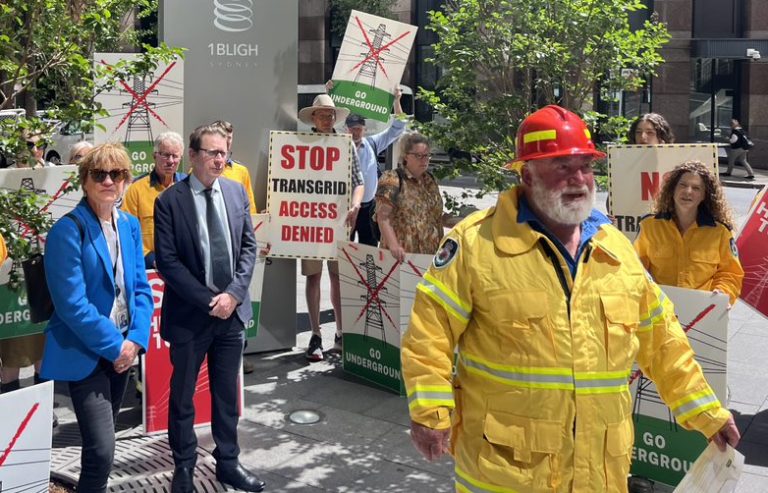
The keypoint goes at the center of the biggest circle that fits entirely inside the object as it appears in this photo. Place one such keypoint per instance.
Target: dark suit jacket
(179, 259)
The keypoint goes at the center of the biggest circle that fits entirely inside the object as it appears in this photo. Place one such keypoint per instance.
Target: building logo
(233, 16)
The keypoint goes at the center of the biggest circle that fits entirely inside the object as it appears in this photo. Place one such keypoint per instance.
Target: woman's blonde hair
(714, 199)
(78, 148)
(106, 157)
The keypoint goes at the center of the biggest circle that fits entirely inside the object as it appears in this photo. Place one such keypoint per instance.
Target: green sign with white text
(663, 450)
(366, 101)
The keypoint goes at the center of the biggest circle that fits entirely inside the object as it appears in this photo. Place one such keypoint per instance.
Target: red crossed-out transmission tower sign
(370, 64)
(377, 293)
(752, 247)
(140, 107)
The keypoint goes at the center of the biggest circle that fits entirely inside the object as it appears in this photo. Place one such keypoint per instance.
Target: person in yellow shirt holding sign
(688, 241)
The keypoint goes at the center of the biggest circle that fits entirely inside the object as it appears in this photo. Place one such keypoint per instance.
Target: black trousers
(96, 400)
(222, 342)
(364, 226)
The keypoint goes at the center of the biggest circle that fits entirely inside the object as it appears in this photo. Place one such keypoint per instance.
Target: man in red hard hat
(549, 308)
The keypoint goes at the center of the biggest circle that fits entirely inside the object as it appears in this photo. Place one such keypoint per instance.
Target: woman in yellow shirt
(688, 241)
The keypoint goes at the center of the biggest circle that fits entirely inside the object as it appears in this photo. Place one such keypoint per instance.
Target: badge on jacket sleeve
(734, 250)
(446, 253)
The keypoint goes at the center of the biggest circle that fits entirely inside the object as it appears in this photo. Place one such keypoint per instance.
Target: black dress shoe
(239, 478)
(183, 480)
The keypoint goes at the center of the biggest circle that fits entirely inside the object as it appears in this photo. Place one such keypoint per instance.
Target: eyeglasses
(419, 156)
(214, 152)
(168, 156)
(116, 175)
(33, 145)
(325, 116)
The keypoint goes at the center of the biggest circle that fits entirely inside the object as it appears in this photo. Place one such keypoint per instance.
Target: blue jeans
(97, 399)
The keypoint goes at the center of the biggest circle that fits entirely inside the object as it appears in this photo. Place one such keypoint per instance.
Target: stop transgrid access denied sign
(308, 193)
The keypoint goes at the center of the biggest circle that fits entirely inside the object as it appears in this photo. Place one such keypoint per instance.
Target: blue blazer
(179, 259)
(81, 282)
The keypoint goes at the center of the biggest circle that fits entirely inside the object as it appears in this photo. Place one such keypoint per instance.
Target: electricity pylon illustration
(373, 305)
(760, 276)
(28, 184)
(373, 55)
(645, 393)
(139, 117)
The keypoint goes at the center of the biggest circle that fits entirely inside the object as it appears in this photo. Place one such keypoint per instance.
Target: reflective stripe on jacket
(540, 397)
(705, 257)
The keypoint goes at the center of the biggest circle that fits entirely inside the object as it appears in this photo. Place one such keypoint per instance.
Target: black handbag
(38, 296)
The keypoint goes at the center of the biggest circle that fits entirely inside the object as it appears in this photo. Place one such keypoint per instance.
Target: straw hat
(322, 102)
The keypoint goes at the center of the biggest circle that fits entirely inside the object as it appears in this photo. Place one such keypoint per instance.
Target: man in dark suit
(205, 251)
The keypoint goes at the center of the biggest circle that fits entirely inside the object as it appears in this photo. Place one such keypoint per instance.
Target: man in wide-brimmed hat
(323, 115)
(368, 149)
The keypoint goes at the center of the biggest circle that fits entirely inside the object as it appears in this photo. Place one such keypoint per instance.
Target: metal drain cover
(142, 463)
(304, 417)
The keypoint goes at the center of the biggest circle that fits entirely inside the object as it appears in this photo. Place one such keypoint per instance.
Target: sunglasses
(32, 145)
(116, 175)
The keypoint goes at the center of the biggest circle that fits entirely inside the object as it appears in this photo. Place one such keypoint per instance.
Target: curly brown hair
(714, 199)
(663, 130)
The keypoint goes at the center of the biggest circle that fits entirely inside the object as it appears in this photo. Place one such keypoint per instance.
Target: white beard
(550, 203)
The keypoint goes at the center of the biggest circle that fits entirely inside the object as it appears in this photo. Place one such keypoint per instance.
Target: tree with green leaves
(340, 10)
(46, 53)
(502, 59)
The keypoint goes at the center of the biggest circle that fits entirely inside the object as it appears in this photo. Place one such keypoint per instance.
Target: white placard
(635, 174)
(704, 317)
(25, 438)
(371, 62)
(143, 106)
(308, 193)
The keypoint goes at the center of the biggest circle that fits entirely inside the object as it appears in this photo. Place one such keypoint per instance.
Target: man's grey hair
(169, 137)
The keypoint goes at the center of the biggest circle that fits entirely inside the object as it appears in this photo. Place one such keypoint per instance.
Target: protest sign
(663, 450)
(635, 175)
(55, 184)
(752, 245)
(140, 108)
(371, 61)
(25, 438)
(308, 193)
(377, 295)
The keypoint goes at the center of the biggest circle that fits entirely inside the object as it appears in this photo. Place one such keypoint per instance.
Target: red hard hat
(553, 132)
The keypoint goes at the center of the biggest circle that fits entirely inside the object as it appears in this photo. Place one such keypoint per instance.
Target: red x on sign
(373, 294)
(698, 318)
(374, 53)
(141, 99)
(26, 230)
(19, 432)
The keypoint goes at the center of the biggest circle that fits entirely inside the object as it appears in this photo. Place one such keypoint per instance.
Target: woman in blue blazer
(94, 266)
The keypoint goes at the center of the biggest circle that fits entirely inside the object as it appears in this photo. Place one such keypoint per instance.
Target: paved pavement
(361, 442)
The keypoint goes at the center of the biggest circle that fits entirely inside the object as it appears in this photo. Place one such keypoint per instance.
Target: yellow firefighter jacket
(540, 397)
(705, 257)
(139, 200)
